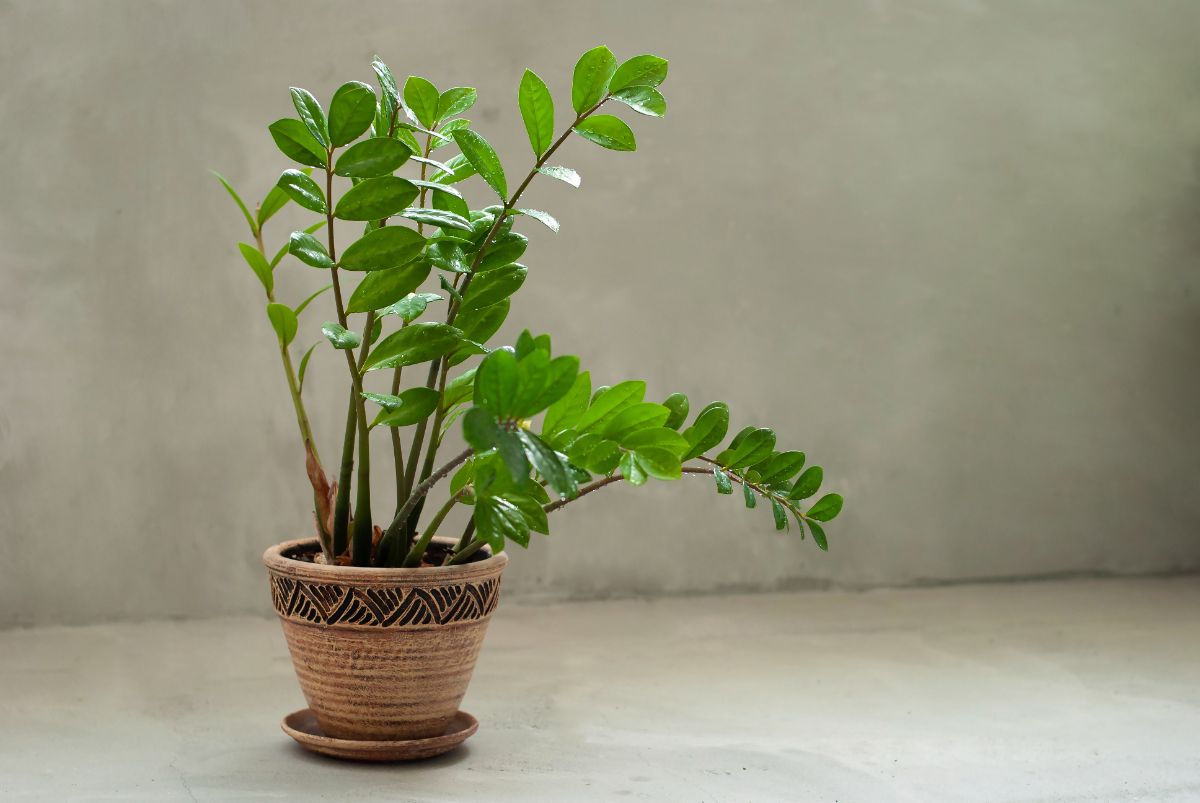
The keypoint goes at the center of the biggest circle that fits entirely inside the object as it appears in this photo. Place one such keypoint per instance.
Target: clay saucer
(302, 726)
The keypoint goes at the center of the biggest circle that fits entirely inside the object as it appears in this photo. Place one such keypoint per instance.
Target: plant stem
(461, 554)
(601, 483)
(390, 537)
(418, 550)
(468, 531)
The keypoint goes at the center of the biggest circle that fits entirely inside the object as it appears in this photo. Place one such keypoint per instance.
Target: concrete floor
(1065, 691)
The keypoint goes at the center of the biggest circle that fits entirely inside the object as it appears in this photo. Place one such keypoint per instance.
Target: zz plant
(419, 230)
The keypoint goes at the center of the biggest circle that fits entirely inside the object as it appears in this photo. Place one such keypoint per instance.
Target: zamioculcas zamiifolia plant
(417, 296)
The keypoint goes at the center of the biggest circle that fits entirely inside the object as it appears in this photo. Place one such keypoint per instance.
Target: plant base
(302, 726)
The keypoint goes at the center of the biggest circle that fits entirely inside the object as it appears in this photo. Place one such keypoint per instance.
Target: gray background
(947, 248)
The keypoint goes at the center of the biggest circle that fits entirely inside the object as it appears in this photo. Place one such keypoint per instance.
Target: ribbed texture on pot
(382, 654)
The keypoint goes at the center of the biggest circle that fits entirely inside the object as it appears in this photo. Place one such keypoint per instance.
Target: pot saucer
(302, 726)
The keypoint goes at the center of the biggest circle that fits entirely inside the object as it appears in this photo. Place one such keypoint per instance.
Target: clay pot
(382, 654)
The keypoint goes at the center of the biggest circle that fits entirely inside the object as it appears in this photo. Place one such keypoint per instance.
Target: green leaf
(415, 343)
(533, 370)
(303, 190)
(605, 457)
(410, 407)
(483, 159)
(647, 70)
(780, 467)
(724, 486)
(459, 389)
(447, 256)
(309, 250)
(480, 430)
(545, 218)
(808, 484)
(643, 100)
(448, 199)
(497, 520)
(560, 379)
(381, 249)
(677, 403)
(387, 82)
(437, 188)
(283, 250)
(609, 403)
(382, 288)
(707, 431)
(455, 101)
(340, 336)
(449, 288)
(659, 463)
(589, 83)
(437, 217)
(237, 200)
(496, 383)
(275, 200)
(494, 286)
(748, 494)
(449, 129)
(421, 97)
(632, 471)
(537, 111)
(756, 447)
(311, 115)
(283, 321)
(547, 463)
(258, 264)
(460, 170)
(304, 365)
(564, 174)
(826, 508)
(296, 142)
(480, 324)
(563, 413)
(634, 418)
(532, 510)
(411, 307)
(303, 304)
(657, 437)
(351, 112)
(781, 519)
(608, 132)
(371, 158)
(504, 251)
(445, 167)
(818, 534)
(375, 199)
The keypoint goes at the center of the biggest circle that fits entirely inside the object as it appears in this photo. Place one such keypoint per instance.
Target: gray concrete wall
(947, 247)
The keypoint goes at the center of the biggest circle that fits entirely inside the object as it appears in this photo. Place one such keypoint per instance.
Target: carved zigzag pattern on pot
(328, 604)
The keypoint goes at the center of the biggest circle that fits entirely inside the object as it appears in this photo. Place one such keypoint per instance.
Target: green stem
(415, 554)
(461, 555)
(341, 506)
(388, 545)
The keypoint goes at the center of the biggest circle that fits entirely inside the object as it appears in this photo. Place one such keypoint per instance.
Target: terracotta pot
(382, 654)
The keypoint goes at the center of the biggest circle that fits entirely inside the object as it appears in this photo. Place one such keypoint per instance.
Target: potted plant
(384, 612)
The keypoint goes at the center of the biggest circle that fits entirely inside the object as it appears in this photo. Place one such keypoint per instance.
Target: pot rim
(277, 562)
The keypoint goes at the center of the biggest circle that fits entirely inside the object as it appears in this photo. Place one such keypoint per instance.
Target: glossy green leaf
(339, 336)
(780, 467)
(382, 249)
(479, 325)
(748, 494)
(659, 463)
(383, 288)
(545, 218)
(303, 190)
(461, 169)
(237, 199)
(818, 534)
(537, 111)
(296, 142)
(565, 412)
(559, 381)
(275, 200)
(309, 250)
(563, 174)
(351, 112)
(632, 470)
(371, 158)
(677, 403)
(532, 510)
(437, 217)
(455, 101)
(494, 286)
(480, 430)
(496, 383)
(608, 132)
(444, 167)
(589, 82)
(303, 371)
(449, 129)
(387, 82)
(415, 343)
(283, 250)
(433, 186)
(533, 371)
(781, 519)
(304, 304)
(410, 407)
(483, 159)
(633, 418)
(643, 99)
(375, 199)
(497, 520)
(609, 403)
(258, 264)
(283, 321)
(459, 389)
(448, 200)
(646, 70)
(808, 483)
(421, 97)
(658, 437)
(411, 307)
(724, 486)
(707, 431)
(504, 251)
(311, 115)
(547, 463)
(756, 446)
(605, 457)
(447, 255)
(826, 508)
